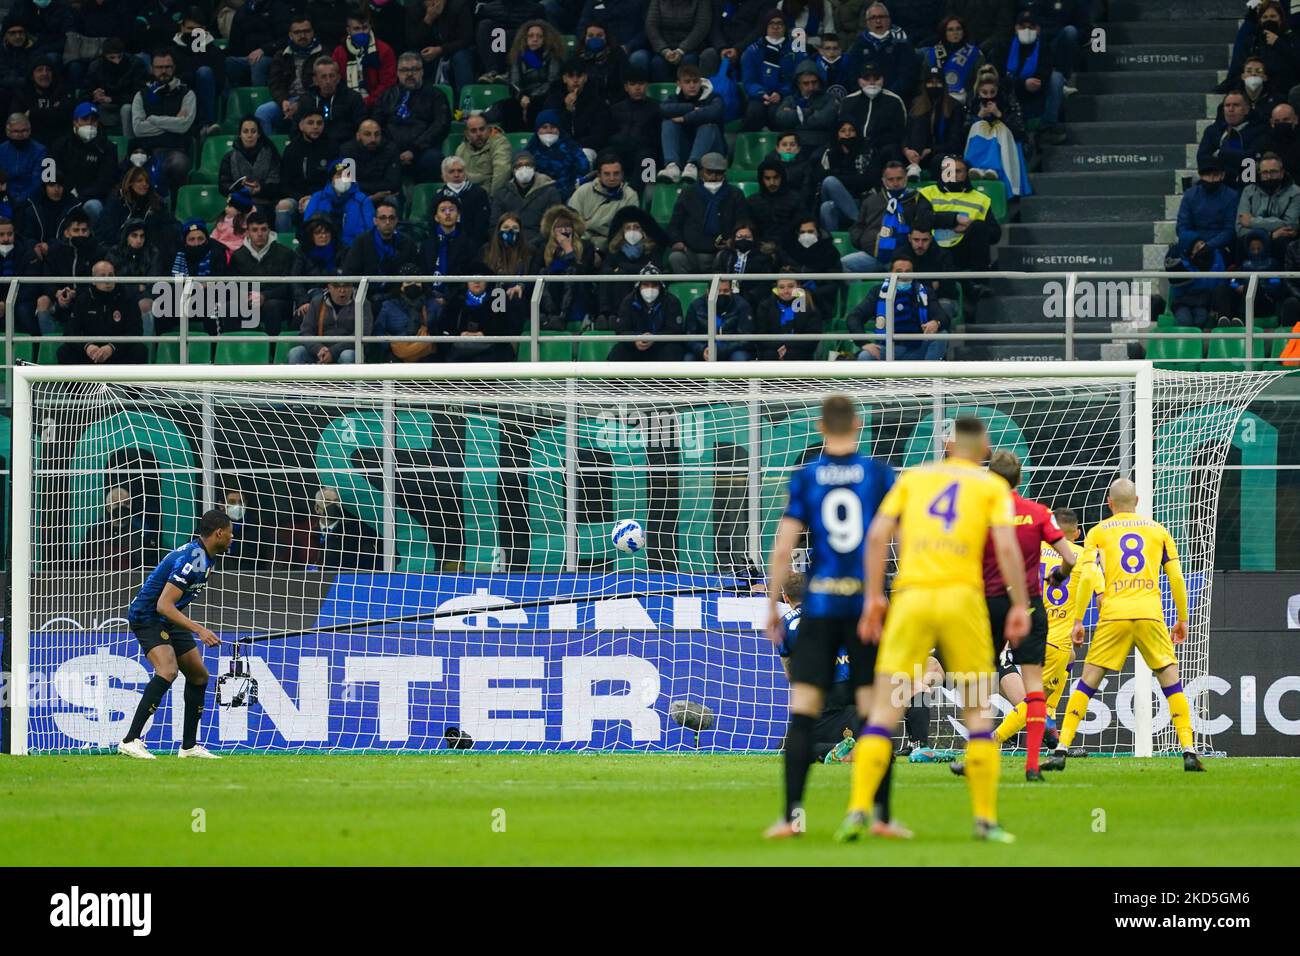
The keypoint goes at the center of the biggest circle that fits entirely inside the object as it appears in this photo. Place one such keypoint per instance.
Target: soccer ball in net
(628, 535)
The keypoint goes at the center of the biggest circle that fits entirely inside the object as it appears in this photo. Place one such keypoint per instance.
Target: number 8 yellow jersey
(1129, 551)
(944, 512)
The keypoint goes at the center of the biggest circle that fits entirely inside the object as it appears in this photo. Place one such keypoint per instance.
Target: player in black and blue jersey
(833, 498)
(837, 727)
(167, 635)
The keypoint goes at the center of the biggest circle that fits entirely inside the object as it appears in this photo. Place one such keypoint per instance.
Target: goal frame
(1139, 373)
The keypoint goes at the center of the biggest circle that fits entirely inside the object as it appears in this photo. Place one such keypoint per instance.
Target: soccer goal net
(423, 555)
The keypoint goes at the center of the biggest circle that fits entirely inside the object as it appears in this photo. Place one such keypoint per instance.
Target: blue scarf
(1028, 68)
(386, 250)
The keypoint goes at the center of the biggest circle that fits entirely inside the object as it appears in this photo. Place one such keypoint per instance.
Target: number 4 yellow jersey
(1129, 551)
(1058, 599)
(944, 512)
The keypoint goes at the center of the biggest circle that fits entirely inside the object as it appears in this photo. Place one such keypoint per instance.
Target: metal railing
(1068, 335)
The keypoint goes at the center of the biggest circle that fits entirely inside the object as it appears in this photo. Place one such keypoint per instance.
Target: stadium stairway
(1106, 198)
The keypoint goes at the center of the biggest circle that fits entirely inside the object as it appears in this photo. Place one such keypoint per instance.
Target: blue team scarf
(1027, 69)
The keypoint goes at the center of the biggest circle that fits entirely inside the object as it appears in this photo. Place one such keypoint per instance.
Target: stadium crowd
(511, 138)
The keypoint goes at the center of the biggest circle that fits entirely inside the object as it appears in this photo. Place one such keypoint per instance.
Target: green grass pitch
(633, 809)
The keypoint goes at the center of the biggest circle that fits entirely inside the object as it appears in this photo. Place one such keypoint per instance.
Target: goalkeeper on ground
(834, 733)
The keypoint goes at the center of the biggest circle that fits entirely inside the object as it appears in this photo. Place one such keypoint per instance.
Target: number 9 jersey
(835, 497)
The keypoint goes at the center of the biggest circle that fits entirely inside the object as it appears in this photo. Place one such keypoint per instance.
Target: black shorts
(156, 635)
(818, 645)
(1033, 649)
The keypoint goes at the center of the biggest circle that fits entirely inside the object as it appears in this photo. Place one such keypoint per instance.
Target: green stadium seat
(242, 348)
(750, 148)
(200, 350)
(661, 92)
(199, 201)
(1176, 353)
(1225, 354)
(595, 346)
(283, 348)
(479, 96)
(242, 101)
(662, 201)
(997, 194)
(547, 351)
(688, 292)
(421, 199)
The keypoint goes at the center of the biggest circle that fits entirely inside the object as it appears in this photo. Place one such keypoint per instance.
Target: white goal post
(479, 589)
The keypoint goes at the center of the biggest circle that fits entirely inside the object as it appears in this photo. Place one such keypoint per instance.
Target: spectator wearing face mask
(1207, 214)
(86, 160)
(1282, 140)
(879, 114)
(367, 64)
(936, 127)
(732, 316)
(1233, 139)
(704, 215)
(1024, 59)
(1270, 209)
(1261, 94)
(1198, 300)
(649, 311)
(787, 310)
(343, 202)
(741, 255)
(848, 168)
(100, 312)
(636, 242)
(884, 220)
(601, 199)
(342, 542)
(911, 316)
(558, 155)
(889, 48)
(475, 203)
(246, 548)
(413, 311)
(527, 195)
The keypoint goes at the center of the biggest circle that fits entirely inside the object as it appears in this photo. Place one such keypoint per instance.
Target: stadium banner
(550, 662)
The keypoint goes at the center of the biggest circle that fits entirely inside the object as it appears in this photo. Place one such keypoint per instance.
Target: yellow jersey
(1058, 598)
(1128, 551)
(944, 512)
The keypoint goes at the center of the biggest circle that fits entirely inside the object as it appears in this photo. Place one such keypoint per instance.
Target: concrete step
(1086, 233)
(1191, 31)
(1132, 106)
(1054, 258)
(1160, 57)
(1104, 159)
(1130, 132)
(1174, 81)
(1094, 209)
(1173, 11)
(1115, 183)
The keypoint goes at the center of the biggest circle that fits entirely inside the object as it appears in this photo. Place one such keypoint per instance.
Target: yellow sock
(983, 764)
(1011, 725)
(871, 756)
(1054, 698)
(1075, 709)
(1180, 712)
